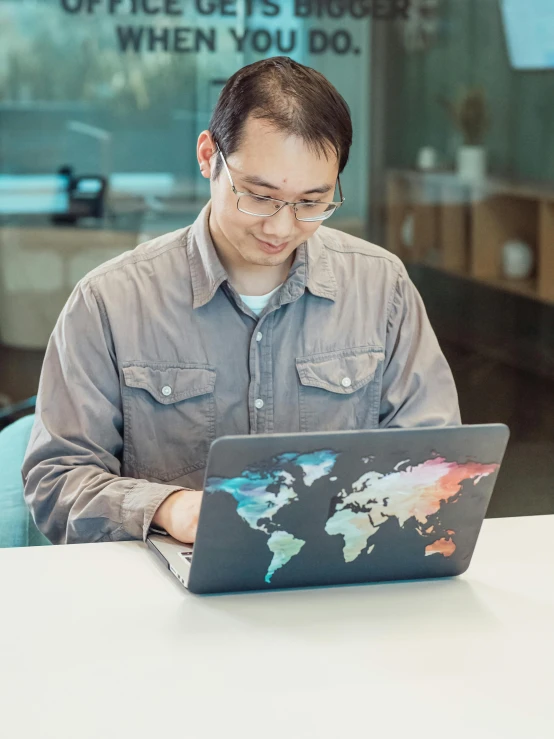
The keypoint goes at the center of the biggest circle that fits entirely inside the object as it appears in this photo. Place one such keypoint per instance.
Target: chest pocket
(169, 417)
(340, 390)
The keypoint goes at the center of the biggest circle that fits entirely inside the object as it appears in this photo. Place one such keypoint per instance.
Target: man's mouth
(270, 248)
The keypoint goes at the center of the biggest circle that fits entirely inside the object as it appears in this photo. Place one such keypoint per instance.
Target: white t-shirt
(257, 303)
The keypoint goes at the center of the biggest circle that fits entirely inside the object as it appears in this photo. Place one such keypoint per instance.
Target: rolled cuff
(140, 503)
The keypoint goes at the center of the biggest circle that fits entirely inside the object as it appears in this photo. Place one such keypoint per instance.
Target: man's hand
(178, 515)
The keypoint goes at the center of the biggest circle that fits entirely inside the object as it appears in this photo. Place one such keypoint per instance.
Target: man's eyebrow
(260, 182)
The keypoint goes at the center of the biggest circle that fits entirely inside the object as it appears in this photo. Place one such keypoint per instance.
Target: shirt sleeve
(71, 470)
(418, 387)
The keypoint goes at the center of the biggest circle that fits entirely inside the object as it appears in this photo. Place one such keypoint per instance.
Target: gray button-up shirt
(155, 355)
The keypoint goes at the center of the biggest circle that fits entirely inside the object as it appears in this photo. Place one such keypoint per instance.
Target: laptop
(324, 509)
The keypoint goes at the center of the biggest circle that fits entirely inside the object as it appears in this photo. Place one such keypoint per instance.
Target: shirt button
(259, 336)
(259, 403)
(346, 382)
(166, 390)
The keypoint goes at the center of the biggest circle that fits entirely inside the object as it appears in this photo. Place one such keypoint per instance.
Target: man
(255, 319)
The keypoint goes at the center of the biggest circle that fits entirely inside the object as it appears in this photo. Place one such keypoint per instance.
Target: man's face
(271, 164)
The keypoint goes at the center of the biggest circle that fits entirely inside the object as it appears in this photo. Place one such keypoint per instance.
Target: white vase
(518, 260)
(408, 228)
(427, 159)
(472, 163)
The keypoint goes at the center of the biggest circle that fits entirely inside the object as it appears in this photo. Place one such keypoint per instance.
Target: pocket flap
(341, 372)
(171, 383)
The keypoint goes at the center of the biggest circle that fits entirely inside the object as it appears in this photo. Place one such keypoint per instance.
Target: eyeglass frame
(294, 205)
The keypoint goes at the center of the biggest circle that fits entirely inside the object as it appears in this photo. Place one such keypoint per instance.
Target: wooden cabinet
(39, 267)
(461, 228)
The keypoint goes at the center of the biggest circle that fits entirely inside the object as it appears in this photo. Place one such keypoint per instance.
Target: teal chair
(17, 528)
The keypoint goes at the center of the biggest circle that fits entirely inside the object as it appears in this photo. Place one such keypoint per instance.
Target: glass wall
(465, 183)
(452, 168)
(114, 93)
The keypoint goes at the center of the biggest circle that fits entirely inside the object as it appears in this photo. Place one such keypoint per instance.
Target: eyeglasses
(258, 205)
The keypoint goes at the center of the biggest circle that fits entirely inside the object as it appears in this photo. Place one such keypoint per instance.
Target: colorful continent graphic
(261, 493)
(415, 492)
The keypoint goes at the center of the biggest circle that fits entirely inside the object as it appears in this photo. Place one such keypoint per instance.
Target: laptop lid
(290, 510)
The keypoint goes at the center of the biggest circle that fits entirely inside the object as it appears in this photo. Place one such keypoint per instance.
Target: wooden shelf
(526, 288)
(546, 251)
(460, 228)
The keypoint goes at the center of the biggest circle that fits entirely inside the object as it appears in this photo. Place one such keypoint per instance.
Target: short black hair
(294, 98)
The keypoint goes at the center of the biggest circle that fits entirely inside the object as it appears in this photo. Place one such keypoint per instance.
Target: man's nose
(281, 225)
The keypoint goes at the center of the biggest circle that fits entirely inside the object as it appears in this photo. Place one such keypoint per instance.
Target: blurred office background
(452, 168)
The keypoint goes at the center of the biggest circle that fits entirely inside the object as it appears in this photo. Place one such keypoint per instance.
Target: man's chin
(266, 260)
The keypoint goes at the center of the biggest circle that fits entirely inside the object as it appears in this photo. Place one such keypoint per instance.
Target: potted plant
(469, 113)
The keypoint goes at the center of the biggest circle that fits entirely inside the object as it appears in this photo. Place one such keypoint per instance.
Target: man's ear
(205, 150)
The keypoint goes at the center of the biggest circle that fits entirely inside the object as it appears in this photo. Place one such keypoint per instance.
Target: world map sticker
(415, 492)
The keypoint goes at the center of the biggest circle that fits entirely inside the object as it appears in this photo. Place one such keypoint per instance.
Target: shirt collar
(310, 269)
(206, 270)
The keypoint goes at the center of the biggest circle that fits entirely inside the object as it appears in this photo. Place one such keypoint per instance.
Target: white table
(99, 641)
